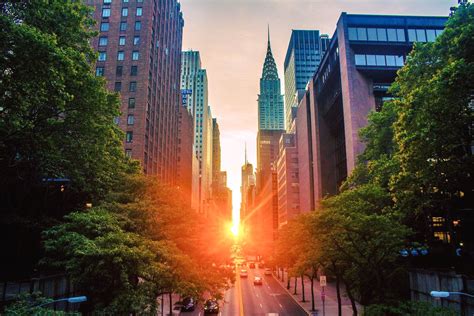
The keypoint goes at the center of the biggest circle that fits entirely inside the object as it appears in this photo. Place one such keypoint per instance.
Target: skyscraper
(270, 100)
(139, 46)
(195, 95)
(264, 221)
(304, 53)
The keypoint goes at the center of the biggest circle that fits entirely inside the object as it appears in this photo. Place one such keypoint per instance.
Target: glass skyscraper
(270, 100)
(305, 50)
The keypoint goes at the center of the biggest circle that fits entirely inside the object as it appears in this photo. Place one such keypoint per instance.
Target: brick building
(139, 46)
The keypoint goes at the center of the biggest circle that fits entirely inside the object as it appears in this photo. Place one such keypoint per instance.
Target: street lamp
(74, 299)
(444, 294)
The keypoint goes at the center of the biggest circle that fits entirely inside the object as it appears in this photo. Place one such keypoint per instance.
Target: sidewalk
(330, 300)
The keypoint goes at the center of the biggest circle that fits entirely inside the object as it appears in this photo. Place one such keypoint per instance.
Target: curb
(293, 297)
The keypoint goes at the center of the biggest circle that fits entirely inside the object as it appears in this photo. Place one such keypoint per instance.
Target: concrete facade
(185, 153)
(353, 78)
(143, 62)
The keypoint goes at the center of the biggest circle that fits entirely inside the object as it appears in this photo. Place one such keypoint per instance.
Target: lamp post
(75, 299)
(444, 294)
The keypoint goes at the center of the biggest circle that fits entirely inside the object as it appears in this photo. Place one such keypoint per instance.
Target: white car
(268, 271)
(243, 273)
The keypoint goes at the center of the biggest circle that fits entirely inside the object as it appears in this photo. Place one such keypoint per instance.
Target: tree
(360, 238)
(434, 128)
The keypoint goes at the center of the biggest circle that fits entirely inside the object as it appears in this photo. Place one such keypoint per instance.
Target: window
(118, 86)
(382, 35)
(380, 60)
(131, 103)
(123, 26)
(136, 40)
(139, 11)
(130, 119)
(105, 13)
(392, 35)
(421, 35)
(117, 120)
(372, 34)
(102, 56)
(122, 40)
(133, 70)
(103, 41)
(99, 71)
(391, 61)
(401, 35)
(125, 1)
(399, 61)
(129, 137)
(371, 60)
(352, 34)
(124, 11)
(104, 26)
(139, 1)
(431, 35)
(360, 60)
(133, 86)
(412, 35)
(128, 153)
(135, 55)
(120, 55)
(361, 34)
(138, 26)
(107, 1)
(119, 71)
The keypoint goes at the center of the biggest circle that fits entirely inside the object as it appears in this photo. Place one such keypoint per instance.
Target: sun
(235, 230)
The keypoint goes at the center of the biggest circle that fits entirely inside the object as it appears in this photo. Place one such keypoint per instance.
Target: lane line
(261, 306)
(280, 305)
(241, 300)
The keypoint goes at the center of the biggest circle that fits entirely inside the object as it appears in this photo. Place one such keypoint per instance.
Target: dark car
(211, 306)
(188, 304)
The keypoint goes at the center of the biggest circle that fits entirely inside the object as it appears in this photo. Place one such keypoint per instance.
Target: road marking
(261, 305)
(280, 305)
(241, 301)
(256, 294)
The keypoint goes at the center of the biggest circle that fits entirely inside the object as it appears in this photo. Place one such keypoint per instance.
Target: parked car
(268, 271)
(257, 280)
(243, 273)
(211, 306)
(188, 304)
(252, 265)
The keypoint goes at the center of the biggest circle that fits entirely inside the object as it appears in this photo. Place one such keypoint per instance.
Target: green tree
(433, 130)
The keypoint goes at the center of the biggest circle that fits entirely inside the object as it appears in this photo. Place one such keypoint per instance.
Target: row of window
(392, 35)
(106, 12)
(105, 26)
(124, 1)
(104, 40)
(120, 55)
(379, 60)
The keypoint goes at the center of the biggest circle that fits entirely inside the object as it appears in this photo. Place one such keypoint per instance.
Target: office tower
(304, 53)
(353, 79)
(139, 46)
(194, 87)
(216, 153)
(247, 182)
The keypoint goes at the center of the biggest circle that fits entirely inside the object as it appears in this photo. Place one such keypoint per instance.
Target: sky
(231, 36)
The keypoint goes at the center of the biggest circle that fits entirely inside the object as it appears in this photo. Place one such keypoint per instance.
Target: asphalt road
(247, 299)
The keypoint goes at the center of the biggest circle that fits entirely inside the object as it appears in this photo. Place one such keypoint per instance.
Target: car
(261, 265)
(243, 273)
(211, 306)
(257, 280)
(252, 265)
(176, 310)
(188, 304)
(268, 271)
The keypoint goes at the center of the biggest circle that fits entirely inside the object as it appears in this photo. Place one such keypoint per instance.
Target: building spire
(245, 153)
(268, 26)
(269, 67)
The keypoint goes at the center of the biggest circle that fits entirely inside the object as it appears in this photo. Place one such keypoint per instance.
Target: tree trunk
(338, 292)
(302, 289)
(296, 284)
(353, 303)
(171, 303)
(312, 294)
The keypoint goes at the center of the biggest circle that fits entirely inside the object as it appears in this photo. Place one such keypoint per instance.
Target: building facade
(185, 154)
(288, 180)
(353, 78)
(139, 47)
(195, 94)
(305, 51)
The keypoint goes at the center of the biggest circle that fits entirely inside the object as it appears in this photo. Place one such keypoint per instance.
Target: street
(245, 298)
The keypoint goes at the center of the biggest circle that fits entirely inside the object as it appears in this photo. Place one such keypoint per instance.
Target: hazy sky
(231, 36)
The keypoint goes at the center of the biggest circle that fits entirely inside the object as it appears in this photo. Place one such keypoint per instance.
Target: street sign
(322, 280)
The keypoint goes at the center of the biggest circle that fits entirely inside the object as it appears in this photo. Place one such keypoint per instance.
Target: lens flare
(235, 230)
